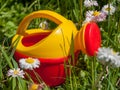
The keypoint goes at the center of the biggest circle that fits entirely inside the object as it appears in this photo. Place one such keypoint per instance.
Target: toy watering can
(52, 47)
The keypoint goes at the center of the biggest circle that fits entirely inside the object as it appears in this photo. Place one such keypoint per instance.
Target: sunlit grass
(88, 73)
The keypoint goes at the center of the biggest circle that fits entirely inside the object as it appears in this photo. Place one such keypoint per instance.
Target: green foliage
(11, 13)
(88, 72)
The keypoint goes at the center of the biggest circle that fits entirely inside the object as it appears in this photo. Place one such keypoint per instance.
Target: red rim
(18, 55)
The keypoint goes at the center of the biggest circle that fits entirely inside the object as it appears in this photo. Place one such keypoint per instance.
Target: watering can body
(52, 47)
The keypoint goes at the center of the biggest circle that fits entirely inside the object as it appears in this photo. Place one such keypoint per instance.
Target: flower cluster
(24, 63)
(107, 56)
(97, 16)
(30, 64)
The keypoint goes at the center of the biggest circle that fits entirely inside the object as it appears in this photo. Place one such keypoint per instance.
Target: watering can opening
(34, 38)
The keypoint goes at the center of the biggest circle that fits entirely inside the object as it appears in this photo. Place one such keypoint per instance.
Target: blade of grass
(13, 83)
(1, 74)
(22, 84)
(6, 57)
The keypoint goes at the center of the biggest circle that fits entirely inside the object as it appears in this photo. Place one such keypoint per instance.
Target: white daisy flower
(29, 63)
(108, 56)
(95, 16)
(89, 3)
(108, 9)
(44, 25)
(15, 73)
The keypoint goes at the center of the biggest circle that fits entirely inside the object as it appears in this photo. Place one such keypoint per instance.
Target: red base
(51, 71)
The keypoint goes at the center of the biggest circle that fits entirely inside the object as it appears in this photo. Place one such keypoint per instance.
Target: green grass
(88, 73)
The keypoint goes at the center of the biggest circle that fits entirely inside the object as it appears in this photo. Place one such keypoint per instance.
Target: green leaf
(13, 83)
(22, 84)
(15, 64)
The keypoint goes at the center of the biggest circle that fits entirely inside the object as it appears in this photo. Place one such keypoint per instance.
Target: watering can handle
(55, 17)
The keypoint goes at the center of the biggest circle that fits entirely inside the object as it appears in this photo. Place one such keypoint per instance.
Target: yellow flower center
(16, 72)
(34, 87)
(30, 60)
(96, 13)
(108, 9)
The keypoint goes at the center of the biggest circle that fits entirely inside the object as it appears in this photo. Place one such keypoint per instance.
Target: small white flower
(108, 56)
(29, 63)
(44, 25)
(95, 16)
(89, 3)
(15, 73)
(108, 9)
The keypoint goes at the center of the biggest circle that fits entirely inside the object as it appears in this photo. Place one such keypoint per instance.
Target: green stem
(93, 74)
(81, 12)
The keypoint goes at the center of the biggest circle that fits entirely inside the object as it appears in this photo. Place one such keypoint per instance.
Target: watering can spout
(88, 39)
(79, 41)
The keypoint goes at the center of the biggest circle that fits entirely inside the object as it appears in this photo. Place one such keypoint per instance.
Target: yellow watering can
(52, 47)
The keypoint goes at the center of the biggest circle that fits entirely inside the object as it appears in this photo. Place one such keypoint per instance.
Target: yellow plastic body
(57, 43)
